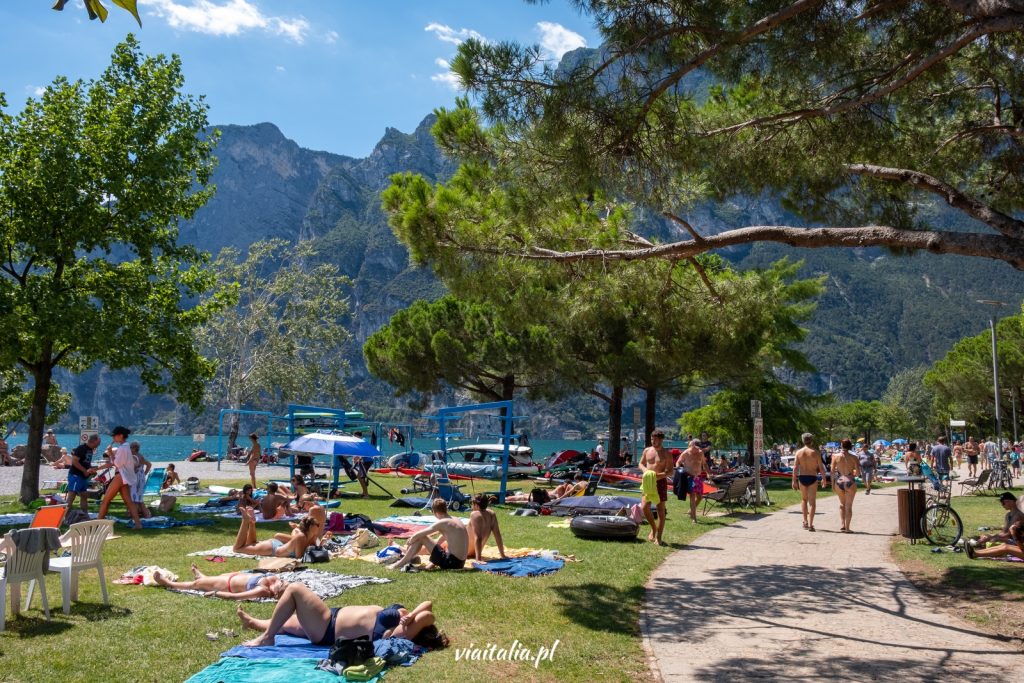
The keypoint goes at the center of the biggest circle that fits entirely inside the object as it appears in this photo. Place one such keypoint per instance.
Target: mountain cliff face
(880, 313)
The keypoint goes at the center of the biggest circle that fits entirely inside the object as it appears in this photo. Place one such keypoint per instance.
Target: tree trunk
(650, 414)
(42, 374)
(615, 427)
(236, 421)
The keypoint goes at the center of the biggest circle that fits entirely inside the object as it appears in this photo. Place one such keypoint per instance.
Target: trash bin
(910, 507)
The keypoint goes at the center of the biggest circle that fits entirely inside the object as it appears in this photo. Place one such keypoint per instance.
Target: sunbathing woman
(232, 586)
(247, 544)
(300, 612)
(304, 498)
(845, 467)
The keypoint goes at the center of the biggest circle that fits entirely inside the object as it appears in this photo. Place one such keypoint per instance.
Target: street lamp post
(995, 371)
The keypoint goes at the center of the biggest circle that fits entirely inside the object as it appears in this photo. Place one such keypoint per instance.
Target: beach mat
(239, 670)
(165, 522)
(325, 584)
(225, 551)
(284, 647)
(521, 566)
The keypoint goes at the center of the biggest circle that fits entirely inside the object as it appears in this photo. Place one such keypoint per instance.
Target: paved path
(764, 599)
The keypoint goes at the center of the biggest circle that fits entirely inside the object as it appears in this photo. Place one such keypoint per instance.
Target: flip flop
(215, 558)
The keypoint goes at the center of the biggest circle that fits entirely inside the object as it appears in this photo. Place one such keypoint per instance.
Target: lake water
(173, 448)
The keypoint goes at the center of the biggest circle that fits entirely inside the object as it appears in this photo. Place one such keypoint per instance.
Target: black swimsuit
(328, 637)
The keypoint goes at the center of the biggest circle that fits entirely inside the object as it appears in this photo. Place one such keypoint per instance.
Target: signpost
(954, 434)
(755, 412)
(88, 426)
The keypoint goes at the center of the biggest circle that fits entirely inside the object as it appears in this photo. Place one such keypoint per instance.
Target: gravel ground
(10, 477)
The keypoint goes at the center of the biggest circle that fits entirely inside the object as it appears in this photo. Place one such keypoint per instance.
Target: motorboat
(483, 461)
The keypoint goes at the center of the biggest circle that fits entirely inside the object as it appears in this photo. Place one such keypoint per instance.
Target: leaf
(132, 8)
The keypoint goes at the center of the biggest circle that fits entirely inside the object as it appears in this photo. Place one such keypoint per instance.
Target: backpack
(351, 651)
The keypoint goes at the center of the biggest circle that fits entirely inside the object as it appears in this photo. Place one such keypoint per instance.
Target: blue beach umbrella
(332, 444)
(898, 441)
(881, 442)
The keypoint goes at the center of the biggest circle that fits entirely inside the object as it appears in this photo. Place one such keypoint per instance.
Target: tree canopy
(94, 179)
(854, 114)
(285, 339)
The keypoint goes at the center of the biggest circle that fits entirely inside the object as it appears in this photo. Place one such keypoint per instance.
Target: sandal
(810, 528)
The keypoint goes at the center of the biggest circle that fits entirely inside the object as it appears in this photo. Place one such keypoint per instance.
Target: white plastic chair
(86, 542)
(21, 567)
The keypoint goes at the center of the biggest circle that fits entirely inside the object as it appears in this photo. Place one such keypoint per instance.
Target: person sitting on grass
(452, 530)
(1011, 537)
(300, 612)
(170, 477)
(304, 498)
(274, 505)
(483, 523)
(294, 547)
(231, 586)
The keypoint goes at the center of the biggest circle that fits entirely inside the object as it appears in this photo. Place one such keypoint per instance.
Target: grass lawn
(986, 592)
(148, 634)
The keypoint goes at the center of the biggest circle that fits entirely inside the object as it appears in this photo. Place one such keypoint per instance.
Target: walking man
(971, 449)
(941, 457)
(807, 467)
(79, 472)
(694, 470)
(656, 463)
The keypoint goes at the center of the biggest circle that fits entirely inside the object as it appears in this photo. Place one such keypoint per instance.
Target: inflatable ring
(604, 527)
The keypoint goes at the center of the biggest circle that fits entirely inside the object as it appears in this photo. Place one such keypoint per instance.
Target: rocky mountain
(880, 314)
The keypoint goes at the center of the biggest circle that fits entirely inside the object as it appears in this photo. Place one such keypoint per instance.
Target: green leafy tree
(851, 420)
(284, 341)
(908, 398)
(858, 116)
(463, 344)
(962, 379)
(95, 179)
(16, 401)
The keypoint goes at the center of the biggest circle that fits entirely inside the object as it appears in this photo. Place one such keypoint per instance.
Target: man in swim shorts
(452, 530)
(694, 466)
(807, 466)
(657, 463)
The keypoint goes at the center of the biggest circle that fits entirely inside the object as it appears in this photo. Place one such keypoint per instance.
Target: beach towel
(225, 551)
(240, 670)
(165, 522)
(324, 584)
(649, 485)
(521, 566)
(16, 518)
(425, 520)
(284, 647)
(214, 510)
(411, 502)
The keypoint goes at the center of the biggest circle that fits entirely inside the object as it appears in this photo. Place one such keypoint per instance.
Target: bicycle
(1001, 476)
(940, 523)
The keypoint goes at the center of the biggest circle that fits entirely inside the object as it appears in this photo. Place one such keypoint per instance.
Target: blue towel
(522, 566)
(284, 647)
(238, 670)
(410, 502)
(165, 522)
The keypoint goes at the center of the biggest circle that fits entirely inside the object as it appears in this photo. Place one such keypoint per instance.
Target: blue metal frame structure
(445, 415)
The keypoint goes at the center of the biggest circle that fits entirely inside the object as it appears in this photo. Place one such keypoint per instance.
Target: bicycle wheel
(941, 525)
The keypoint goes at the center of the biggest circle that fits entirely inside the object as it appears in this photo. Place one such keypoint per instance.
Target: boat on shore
(482, 461)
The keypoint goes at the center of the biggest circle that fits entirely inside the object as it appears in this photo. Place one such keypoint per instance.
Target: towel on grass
(239, 670)
(213, 510)
(411, 502)
(164, 522)
(284, 647)
(226, 551)
(324, 584)
(16, 518)
(425, 520)
(260, 520)
(521, 566)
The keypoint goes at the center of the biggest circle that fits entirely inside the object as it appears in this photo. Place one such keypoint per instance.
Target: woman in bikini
(912, 460)
(231, 586)
(295, 546)
(844, 468)
(300, 612)
(807, 466)
(304, 498)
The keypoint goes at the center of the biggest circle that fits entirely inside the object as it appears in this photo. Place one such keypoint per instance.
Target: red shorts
(662, 490)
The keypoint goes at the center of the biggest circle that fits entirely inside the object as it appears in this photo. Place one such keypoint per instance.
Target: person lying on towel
(231, 586)
(300, 612)
(294, 546)
(455, 536)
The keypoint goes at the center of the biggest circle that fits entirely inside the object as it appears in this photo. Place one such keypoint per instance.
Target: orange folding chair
(48, 516)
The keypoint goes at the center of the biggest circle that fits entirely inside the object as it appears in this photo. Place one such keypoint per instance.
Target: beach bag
(336, 522)
(364, 538)
(192, 484)
(278, 564)
(636, 513)
(167, 503)
(315, 555)
(351, 651)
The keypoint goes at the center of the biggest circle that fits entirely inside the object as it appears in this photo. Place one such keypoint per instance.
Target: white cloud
(556, 40)
(35, 90)
(279, 69)
(331, 37)
(447, 34)
(446, 76)
(227, 18)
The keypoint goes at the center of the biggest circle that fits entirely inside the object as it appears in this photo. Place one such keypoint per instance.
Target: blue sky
(331, 74)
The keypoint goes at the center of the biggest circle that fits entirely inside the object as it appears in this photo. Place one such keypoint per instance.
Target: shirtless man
(274, 505)
(971, 450)
(483, 523)
(806, 469)
(452, 530)
(695, 469)
(656, 459)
